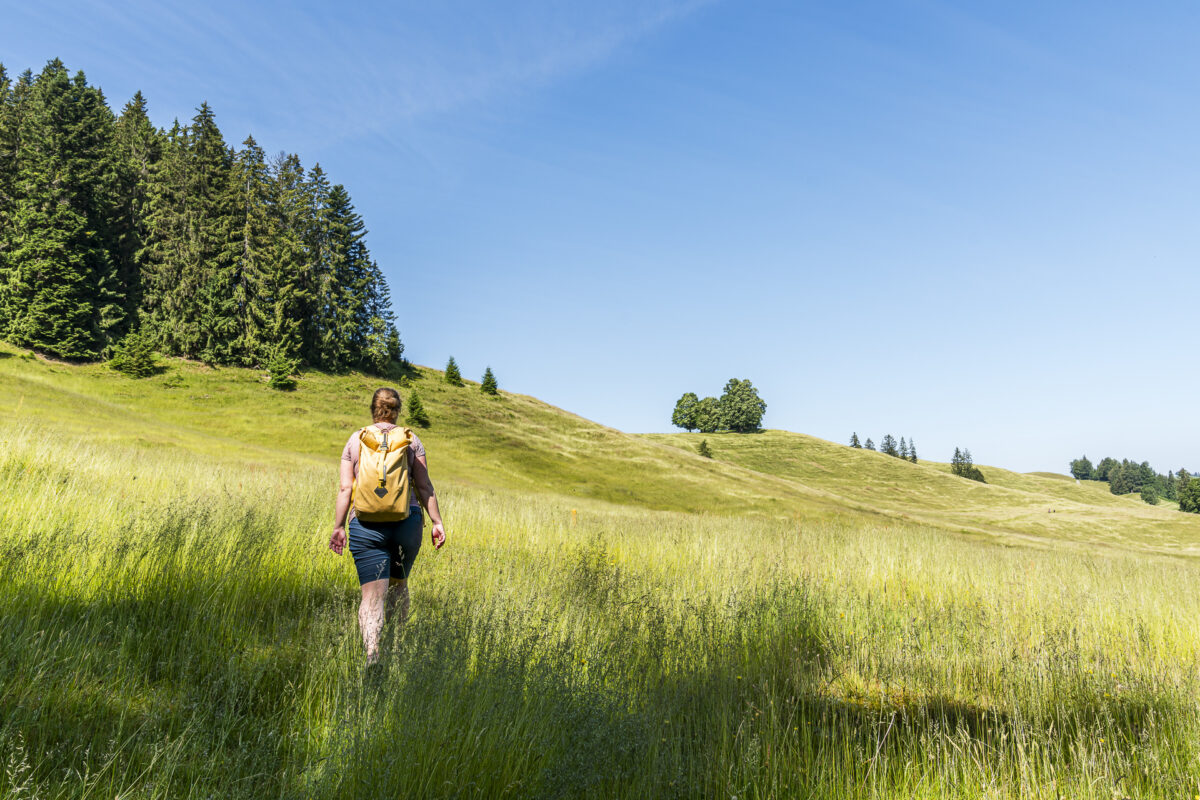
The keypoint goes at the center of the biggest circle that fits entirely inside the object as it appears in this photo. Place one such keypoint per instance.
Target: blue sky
(973, 225)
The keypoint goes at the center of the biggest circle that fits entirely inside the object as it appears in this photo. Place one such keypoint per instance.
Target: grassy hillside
(1033, 507)
(516, 442)
(510, 442)
(172, 624)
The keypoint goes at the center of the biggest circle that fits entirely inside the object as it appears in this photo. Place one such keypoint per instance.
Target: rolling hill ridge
(516, 442)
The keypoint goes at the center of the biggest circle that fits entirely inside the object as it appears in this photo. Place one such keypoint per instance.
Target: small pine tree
(869, 445)
(488, 385)
(889, 445)
(912, 451)
(854, 441)
(416, 412)
(280, 368)
(963, 465)
(703, 449)
(903, 449)
(134, 356)
(453, 376)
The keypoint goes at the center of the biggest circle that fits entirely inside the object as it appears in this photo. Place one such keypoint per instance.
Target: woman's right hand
(337, 542)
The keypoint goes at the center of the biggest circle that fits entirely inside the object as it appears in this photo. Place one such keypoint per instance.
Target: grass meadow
(174, 627)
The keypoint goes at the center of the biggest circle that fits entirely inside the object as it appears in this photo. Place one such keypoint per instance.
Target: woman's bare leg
(370, 616)
(397, 600)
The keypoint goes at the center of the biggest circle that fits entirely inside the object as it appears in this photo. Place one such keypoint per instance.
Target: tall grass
(173, 627)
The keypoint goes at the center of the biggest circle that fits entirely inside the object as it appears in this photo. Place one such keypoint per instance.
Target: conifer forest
(112, 227)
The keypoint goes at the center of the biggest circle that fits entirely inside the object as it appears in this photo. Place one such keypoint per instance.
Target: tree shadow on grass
(174, 658)
(473, 699)
(722, 703)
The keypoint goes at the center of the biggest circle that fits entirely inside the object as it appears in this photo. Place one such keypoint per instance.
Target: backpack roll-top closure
(381, 488)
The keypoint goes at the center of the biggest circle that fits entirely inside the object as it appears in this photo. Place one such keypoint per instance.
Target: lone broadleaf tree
(684, 415)
(741, 409)
(708, 415)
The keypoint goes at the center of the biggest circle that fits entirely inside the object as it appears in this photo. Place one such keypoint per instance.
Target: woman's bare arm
(428, 498)
(341, 507)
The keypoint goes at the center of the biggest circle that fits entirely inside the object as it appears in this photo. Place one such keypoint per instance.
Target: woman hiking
(386, 521)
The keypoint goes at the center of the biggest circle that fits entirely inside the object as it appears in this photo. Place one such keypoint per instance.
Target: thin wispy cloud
(336, 71)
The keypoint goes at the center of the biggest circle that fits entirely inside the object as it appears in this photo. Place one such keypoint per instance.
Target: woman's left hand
(438, 535)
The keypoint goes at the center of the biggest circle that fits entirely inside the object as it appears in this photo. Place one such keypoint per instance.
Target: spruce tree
(318, 327)
(137, 150)
(912, 451)
(13, 106)
(349, 280)
(417, 417)
(869, 445)
(903, 449)
(163, 256)
(61, 292)
(854, 441)
(288, 284)
(488, 385)
(280, 369)
(253, 240)
(214, 204)
(453, 376)
(956, 463)
(382, 346)
(134, 356)
(888, 445)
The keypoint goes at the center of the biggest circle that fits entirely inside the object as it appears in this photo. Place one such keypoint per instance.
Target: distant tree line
(906, 450)
(1126, 477)
(739, 409)
(111, 227)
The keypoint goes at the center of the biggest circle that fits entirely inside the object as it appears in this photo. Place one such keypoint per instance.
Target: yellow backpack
(382, 485)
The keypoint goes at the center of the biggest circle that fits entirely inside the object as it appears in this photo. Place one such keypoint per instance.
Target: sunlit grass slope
(512, 441)
(518, 442)
(1047, 506)
(172, 624)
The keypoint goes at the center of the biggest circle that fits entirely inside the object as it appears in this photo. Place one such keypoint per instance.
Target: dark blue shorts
(385, 549)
